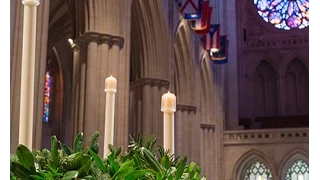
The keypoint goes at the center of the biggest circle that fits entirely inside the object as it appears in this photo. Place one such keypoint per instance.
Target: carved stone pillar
(97, 62)
(75, 90)
(208, 150)
(148, 118)
(104, 48)
(281, 96)
(184, 129)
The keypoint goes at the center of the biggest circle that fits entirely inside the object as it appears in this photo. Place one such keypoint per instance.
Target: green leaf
(113, 164)
(117, 153)
(83, 171)
(26, 158)
(20, 171)
(74, 161)
(191, 166)
(37, 177)
(70, 175)
(180, 168)
(136, 174)
(124, 170)
(65, 148)
(78, 143)
(98, 161)
(165, 161)
(54, 151)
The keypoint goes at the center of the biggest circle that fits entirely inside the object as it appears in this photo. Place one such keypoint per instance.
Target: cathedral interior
(237, 119)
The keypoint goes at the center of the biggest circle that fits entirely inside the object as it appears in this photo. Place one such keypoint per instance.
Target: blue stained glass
(46, 101)
(284, 14)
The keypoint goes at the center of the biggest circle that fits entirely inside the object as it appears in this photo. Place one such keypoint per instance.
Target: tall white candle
(110, 89)
(27, 72)
(300, 177)
(168, 107)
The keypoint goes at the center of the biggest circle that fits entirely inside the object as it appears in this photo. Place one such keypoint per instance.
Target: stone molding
(208, 126)
(149, 81)
(189, 108)
(278, 43)
(99, 38)
(266, 136)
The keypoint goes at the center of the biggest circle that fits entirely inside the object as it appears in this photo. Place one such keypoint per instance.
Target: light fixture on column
(72, 44)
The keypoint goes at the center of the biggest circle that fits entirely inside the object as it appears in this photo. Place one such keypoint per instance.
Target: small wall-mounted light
(72, 44)
(213, 50)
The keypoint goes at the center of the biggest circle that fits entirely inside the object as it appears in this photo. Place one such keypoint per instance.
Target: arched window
(265, 90)
(284, 14)
(297, 88)
(47, 92)
(258, 171)
(298, 171)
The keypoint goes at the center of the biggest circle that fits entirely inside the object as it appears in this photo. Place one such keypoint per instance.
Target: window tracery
(284, 14)
(298, 171)
(258, 171)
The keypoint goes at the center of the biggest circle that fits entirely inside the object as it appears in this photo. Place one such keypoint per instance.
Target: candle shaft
(109, 122)
(168, 131)
(27, 75)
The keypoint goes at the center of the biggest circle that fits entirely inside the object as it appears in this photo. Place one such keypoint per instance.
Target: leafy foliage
(142, 162)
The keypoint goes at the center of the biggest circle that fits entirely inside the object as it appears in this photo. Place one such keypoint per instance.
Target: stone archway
(149, 68)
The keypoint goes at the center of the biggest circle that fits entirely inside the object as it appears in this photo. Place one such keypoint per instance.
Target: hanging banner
(221, 56)
(211, 40)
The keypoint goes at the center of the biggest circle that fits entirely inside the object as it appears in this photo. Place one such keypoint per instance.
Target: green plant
(141, 162)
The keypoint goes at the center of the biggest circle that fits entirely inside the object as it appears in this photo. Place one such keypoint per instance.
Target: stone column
(99, 59)
(148, 119)
(281, 96)
(92, 87)
(184, 129)
(82, 86)
(179, 131)
(232, 65)
(147, 109)
(74, 99)
(104, 48)
(117, 67)
(208, 150)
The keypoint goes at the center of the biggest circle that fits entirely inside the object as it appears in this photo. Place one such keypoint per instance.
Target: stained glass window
(298, 171)
(258, 171)
(284, 14)
(46, 103)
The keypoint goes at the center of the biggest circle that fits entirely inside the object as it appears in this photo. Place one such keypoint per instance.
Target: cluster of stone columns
(96, 56)
(208, 156)
(145, 113)
(185, 126)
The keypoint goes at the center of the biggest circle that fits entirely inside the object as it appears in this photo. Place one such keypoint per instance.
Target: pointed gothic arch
(247, 159)
(184, 66)
(290, 158)
(265, 90)
(296, 79)
(150, 59)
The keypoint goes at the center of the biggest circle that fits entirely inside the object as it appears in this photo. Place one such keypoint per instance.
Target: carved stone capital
(208, 126)
(99, 38)
(151, 82)
(106, 39)
(118, 40)
(188, 108)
